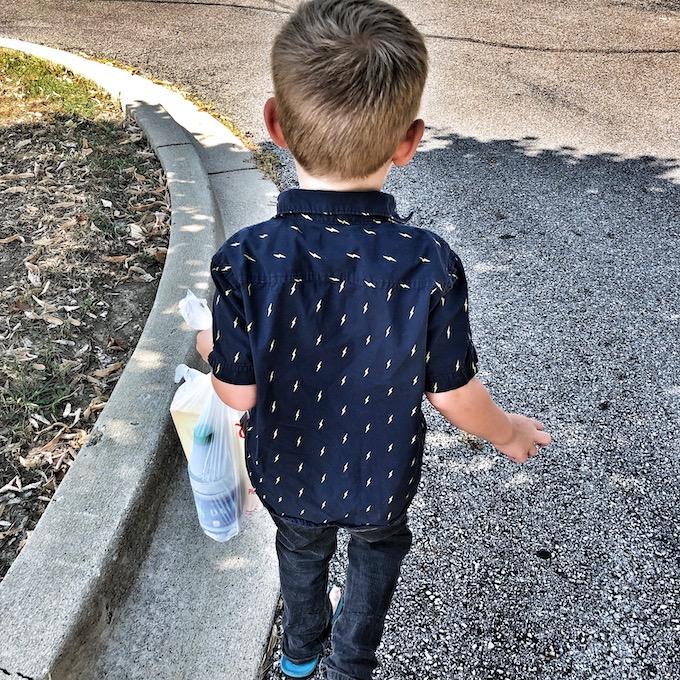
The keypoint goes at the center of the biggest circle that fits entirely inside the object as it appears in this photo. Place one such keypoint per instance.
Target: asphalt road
(552, 166)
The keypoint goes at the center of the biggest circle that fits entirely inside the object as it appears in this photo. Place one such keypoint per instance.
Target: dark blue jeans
(375, 557)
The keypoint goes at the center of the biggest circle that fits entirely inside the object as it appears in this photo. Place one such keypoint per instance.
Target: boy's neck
(372, 182)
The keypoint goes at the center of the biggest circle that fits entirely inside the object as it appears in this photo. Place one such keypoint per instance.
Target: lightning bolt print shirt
(343, 315)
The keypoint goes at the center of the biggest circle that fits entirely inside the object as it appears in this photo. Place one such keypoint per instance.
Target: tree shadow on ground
(563, 565)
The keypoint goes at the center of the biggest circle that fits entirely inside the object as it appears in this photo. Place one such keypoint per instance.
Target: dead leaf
(35, 458)
(144, 207)
(33, 274)
(46, 448)
(34, 255)
(143, 274)
(158, 253)
(68, 222)
(11, 239)
(136, 231)
(96, 405)
(13, 485)
(17, 175)
(115, 345)
(105, 372)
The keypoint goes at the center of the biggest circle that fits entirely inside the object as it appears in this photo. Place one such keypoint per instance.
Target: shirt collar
(321, 201)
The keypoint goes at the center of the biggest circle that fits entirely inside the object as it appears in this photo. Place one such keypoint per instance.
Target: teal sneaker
(293, 669)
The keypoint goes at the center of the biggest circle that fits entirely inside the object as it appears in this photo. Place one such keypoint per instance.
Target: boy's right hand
(472, 409)
(528, 435)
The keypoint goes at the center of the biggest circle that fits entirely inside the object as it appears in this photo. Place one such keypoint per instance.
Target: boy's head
(348, 80)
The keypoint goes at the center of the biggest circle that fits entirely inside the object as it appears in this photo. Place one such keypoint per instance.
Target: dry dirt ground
(84, 219)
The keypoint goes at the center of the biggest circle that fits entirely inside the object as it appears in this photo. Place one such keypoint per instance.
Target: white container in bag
(214, 475)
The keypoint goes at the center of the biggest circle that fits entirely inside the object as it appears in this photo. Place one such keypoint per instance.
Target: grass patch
(62, 90)
(34, 391)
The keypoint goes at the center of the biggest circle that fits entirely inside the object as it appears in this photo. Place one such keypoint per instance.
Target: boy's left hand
(204, 343)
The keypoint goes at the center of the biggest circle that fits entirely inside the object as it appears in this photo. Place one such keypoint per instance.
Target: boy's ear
(271, 120)
(408, 145)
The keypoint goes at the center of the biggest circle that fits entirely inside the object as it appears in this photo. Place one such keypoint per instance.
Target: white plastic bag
(195, 402)
(192, 396)
(191, 401)
(195, 312)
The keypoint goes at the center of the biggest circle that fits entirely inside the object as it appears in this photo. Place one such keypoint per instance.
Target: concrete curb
(73, 574)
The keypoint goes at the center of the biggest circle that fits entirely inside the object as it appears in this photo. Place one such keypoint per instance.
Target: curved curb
(62, 590)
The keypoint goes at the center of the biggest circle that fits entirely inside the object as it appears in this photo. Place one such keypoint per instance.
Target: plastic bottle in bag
(216, 487)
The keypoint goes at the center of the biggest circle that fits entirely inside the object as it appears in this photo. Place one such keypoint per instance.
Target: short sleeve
(451, 359)
(231, 359)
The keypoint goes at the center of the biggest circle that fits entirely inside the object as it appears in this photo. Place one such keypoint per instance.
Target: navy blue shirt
(342, 315)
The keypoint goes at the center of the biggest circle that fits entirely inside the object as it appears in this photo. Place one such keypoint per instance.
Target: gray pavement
(552, 166)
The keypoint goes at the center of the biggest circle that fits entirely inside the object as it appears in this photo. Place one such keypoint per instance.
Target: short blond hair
(348, 79)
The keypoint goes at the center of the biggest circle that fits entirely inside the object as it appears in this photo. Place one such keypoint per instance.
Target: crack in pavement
(559, 50)
(208, 3)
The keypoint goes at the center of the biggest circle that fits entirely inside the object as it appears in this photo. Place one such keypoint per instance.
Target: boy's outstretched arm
(452, 386)
(472, 409)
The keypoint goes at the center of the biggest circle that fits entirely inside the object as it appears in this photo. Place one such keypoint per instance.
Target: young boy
(330, 321)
